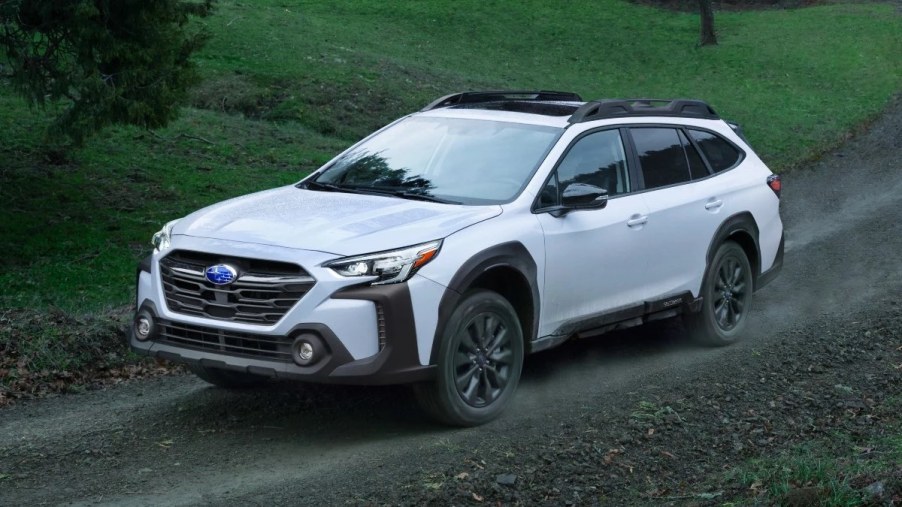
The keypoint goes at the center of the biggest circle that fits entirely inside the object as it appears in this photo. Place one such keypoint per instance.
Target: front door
(594, 260)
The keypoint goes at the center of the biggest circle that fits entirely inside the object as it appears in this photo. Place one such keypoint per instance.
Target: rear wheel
(227, 378)
(479, 362)
(726, 298)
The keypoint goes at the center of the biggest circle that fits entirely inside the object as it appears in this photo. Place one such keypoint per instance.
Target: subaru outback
(446, 246)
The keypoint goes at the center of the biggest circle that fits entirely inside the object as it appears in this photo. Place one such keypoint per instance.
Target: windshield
(453, 160)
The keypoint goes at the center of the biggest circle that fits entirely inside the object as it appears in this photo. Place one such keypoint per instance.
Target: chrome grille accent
(380, 325)
(262, 294)
(233, 343)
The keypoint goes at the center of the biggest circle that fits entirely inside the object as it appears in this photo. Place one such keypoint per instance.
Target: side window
(597, 159)
(661, 156)
(720, 154)
(697, 167)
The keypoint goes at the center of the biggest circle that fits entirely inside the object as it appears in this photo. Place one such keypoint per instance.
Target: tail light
(773, 181)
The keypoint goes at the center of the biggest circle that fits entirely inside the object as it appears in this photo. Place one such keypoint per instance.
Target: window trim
(627, 152)
(634, 168)
(685, 128)
(684, 134)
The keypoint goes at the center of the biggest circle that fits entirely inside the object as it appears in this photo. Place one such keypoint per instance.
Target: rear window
(720, 153)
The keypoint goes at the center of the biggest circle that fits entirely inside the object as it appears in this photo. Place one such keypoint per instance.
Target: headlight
(161, 238)
(390, 267)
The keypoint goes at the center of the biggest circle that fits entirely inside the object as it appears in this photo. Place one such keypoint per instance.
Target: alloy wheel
(483, 359)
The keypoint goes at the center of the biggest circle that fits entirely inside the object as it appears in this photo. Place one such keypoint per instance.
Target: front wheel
(726, 298)
(479, 362)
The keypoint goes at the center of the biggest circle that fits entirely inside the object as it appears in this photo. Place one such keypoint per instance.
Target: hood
(332, 222)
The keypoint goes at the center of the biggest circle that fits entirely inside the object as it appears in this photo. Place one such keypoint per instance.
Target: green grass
(72, 230)
(800, 469)
(796, 79)
(834, 470)
(288, 84)
(652, 413)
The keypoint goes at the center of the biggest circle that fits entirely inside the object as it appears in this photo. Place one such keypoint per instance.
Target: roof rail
(500, 96)
(612, 108)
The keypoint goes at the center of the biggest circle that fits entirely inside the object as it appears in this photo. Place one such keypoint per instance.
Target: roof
(564, 108)
(488, 114)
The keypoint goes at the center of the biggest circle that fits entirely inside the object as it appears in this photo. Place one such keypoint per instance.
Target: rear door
(686, 205)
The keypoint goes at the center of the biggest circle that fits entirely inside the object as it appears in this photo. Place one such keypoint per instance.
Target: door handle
(637, 220)
(713, 204)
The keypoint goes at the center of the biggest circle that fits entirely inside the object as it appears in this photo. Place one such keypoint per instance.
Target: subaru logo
(221, 274)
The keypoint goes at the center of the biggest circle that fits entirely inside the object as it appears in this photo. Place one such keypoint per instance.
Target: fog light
(307, 349)
(305, 352)
(143, 327)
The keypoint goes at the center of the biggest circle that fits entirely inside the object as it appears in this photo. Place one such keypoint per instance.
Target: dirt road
(631, 417)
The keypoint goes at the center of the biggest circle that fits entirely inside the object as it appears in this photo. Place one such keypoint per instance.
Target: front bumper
(267, 351)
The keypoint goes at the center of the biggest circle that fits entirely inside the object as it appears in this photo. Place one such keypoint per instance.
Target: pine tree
(107, 62)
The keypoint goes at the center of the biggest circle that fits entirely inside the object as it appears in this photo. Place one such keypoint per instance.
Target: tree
(107, 62)
(707, 37)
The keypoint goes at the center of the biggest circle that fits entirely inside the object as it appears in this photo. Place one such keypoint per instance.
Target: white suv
(441, 249)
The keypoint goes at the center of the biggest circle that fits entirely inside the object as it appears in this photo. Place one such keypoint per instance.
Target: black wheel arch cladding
(510, 256)
(743, 229)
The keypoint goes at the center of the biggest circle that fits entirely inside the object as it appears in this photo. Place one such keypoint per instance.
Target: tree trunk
(707, 29)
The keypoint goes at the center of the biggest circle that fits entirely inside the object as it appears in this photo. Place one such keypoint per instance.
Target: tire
(726, 298)
(227, 378)
(479, 362)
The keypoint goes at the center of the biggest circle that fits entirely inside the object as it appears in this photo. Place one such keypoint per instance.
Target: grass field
(834, 471)
(288, 84)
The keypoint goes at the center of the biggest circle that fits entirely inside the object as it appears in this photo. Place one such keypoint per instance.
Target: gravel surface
(638, 417)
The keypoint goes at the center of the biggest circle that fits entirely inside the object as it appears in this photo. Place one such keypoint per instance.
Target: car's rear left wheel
(726, 298)
(479, 362)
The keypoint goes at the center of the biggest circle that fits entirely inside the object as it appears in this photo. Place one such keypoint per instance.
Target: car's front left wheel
(479, 362)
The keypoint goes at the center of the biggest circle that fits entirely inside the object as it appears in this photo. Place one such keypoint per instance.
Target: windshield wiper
(331, 187)
(405, 194)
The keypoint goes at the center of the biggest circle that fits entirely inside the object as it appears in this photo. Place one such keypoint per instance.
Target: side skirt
(598, 324)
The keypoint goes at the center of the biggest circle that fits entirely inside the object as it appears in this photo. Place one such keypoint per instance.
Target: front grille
(263, 292)
(233, 343)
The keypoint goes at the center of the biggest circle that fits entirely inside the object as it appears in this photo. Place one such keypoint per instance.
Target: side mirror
(578, 196)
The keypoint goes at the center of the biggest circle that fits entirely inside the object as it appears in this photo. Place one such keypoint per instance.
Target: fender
(511, 255)
(740, 222)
